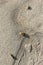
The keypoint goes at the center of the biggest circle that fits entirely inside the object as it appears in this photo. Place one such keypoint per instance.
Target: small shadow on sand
(26, 35)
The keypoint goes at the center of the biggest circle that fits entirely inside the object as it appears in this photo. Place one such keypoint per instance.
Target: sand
(21, 16)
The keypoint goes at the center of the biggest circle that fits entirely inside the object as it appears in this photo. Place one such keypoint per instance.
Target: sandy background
(15, 17)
